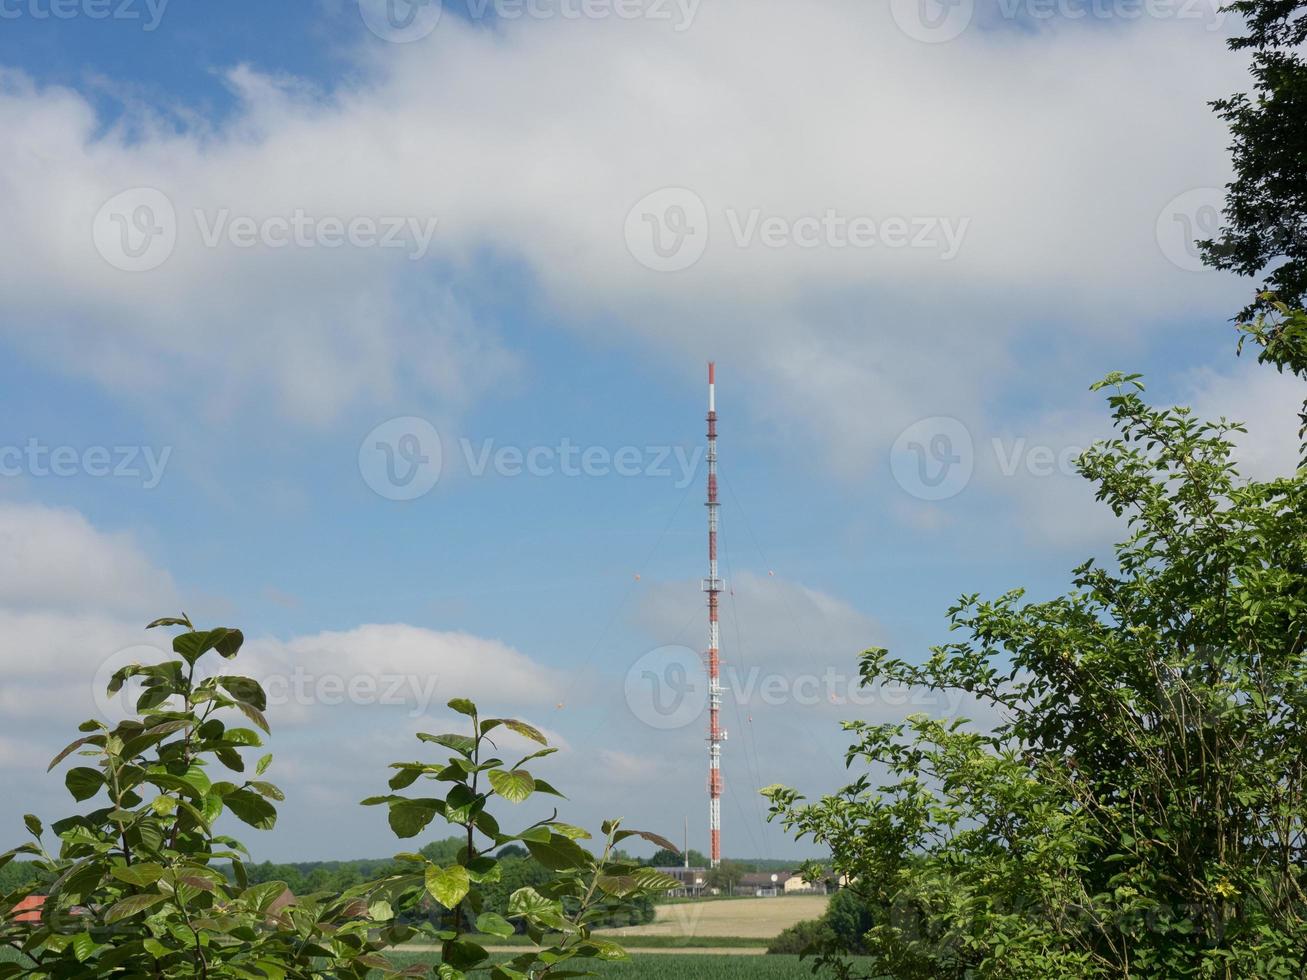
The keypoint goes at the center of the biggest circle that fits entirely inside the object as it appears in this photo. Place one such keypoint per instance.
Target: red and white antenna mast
(713, 586)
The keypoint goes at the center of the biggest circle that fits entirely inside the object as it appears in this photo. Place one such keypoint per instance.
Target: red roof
(29, 909)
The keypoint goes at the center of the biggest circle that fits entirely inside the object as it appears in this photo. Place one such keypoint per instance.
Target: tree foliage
(583, 891)
(142, 886)
(134, 887)
(1141, 807)
(1266, 204)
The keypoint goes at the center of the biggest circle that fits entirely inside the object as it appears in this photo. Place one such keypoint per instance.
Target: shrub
(133, 887)
(806, 938)
(142, 886)
(558, 914)
(1140, 808)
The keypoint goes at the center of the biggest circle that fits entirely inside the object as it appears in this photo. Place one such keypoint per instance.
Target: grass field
(683, 967)
(758, 919)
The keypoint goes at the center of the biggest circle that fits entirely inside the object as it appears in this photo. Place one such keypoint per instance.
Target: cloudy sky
(378, 330)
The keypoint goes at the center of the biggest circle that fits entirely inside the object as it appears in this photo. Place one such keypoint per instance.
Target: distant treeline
(518, 870)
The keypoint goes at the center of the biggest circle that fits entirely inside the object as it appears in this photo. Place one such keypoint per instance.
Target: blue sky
(1064, 152)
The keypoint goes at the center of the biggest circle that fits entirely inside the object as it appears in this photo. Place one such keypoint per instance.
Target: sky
(379, 331)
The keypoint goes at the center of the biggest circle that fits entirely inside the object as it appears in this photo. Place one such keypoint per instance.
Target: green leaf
(72, 747)
(492, 924)
(155, 948)
(567, 830)
(260, 897)
(245, 689)
(462, 954)
(463, 744)
(84, 946)
(191, 646)
(267, 789)
(620, 886)
(513, 786)
(606, 949)
(651, 880)
(132, 905)
(251, 809)
(560, 854)
(254, 715)
(83, 782)
(171, 621)
(408, 818)
(464, 707)
(263, 764)
(521, 727)
(448, 886)
(142, 875)
(654, 839)
(529, 902)
(33, 824)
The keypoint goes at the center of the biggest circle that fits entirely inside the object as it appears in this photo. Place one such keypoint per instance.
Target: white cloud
(765, 621)
(1267, 403)
(410, 670)
(343, 705)
(511, 140)
(55, 559)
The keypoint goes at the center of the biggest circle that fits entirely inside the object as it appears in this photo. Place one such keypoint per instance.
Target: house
(29, 909)
(770, 884)
(693, 881)
(763, 884)
(794, 885)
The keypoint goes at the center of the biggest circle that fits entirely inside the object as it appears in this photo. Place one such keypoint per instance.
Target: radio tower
(713, 586)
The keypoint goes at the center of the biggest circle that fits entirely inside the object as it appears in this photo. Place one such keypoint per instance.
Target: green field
(682, 967)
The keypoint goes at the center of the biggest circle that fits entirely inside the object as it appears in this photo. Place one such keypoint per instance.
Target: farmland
(683, 967)
(746, 918)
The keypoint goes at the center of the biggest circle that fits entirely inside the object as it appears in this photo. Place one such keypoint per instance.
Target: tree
(669, 857)
(133, 888)
(1141, 807)
(141, 886)
(1266, 206)
(583, 890)
(725, 876)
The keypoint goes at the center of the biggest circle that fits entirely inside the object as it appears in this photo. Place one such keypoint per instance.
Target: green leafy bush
(133, 885)
(1141, 807)
(142, 886)
(559, 914)
(810, 937)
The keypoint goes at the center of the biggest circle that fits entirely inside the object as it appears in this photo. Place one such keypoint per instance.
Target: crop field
(684, 967)
(745, 918)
